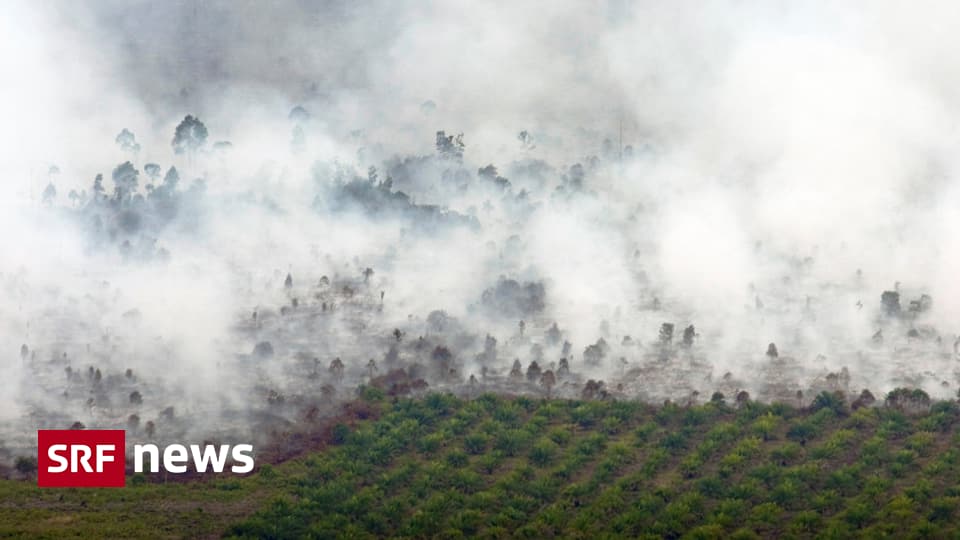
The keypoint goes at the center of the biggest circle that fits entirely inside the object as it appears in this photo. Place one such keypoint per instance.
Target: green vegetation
(494, 467)
(140, 510)
(521, 467)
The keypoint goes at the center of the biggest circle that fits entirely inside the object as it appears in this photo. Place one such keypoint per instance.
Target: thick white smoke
(786, 164)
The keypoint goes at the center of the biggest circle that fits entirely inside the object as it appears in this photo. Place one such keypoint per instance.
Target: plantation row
(498, 467)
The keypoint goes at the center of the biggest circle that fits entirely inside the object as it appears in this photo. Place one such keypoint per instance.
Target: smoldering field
(760, 172)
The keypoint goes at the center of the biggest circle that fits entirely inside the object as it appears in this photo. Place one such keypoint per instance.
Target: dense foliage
(519, 467)
(497, 467)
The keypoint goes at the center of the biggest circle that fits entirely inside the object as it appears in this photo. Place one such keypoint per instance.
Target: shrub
(340, 433)
(457, 458)
(765, 426)
(921, 442)
(543, 452)
(766, 513)
(560, 435)
(511, 441)
(674, 441)
(267, 471)
(787, 452)
(834, 401)
(475, 443)
(803, 431)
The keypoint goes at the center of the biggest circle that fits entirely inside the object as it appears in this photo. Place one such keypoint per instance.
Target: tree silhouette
(533, 371)
(666, 333)
(152, 170)
(575, 176)
(490, 173)
(595, 353)
(564, 368)
(742, 398)
(49, 194)
(299, 115)
(553, 334)
(866, 399)
(98, 189)
(489, 354)
(189, 136)
(547, 381)
(911, 400)
(689, 334)
(526, 140)
(336, 369)
(890, 302)
(450, 146)
(125, 181)
(443, 359)
(593, 390)
(127, 142)
(516, 371)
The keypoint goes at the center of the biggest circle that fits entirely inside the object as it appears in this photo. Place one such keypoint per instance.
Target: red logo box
(81, 458)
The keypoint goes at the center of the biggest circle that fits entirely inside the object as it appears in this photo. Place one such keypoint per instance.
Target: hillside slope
(495, 467)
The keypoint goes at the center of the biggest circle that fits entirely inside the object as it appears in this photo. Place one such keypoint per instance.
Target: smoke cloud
(760, 171)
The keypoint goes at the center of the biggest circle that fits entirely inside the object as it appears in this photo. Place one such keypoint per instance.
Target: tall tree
(171, 179)
(98, 189)
(125, 180)
(547, 381)
(49, 194)
(127, 142)
(152, 170)
(189, 136)
(299, 115)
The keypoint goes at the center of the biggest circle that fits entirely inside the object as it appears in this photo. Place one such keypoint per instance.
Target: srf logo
(81, 458)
